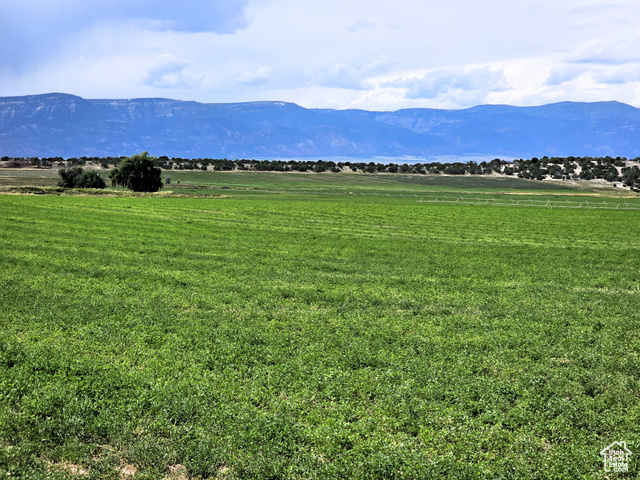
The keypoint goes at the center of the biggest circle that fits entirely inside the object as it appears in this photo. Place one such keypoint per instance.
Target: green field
(288, 329)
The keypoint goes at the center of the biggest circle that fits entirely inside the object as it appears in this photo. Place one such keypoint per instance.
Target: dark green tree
(631, 177)
(138, 173)
(90, 179)
(76, 177)
(68, 176)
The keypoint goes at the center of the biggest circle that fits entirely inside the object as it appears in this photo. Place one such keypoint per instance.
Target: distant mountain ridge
(69, 126)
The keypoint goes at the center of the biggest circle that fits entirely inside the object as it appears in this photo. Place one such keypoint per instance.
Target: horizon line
(283, 102)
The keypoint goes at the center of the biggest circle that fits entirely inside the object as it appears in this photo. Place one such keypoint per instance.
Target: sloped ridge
(65, 125)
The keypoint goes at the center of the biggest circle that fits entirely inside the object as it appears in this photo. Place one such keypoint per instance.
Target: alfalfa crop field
(314, 326)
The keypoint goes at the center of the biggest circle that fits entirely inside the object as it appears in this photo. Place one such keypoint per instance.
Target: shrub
(76, 177)
(631, 177)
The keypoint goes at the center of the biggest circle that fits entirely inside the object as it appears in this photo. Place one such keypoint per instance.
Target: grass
(41, 177)
(358, 182)
(279, 333)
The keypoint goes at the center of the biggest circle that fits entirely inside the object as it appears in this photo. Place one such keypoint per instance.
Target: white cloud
(473, 83)
(620, 76)
(36, 30)
(357, 54)
(601, 52)
(347, 76)
(363, 25)
(256, 78)
(171, 75)
(564, 73)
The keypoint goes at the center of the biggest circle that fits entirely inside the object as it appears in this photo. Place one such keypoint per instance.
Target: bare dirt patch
(177, 472)
(67, 467)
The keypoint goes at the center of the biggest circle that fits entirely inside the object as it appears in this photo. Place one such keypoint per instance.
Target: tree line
(614, 170)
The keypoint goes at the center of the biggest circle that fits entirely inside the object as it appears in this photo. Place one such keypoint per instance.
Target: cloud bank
(359, 54)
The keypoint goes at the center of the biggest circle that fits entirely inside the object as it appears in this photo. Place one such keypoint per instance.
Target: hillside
(66, 125)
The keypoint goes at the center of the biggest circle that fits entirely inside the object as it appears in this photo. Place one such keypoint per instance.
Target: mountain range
(62, 125)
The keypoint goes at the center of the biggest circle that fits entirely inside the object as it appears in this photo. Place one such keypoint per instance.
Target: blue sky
(369, 54)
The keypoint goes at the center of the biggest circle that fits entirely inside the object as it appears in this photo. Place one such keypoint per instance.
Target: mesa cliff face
(67, 126)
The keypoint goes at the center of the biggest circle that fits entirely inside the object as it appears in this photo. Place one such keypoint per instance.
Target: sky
(364, 54)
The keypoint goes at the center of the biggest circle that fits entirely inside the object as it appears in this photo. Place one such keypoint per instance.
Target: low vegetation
(617, 170)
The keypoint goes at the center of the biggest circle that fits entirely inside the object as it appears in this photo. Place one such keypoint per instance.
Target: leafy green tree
(76, 177)
(611, 174)
(68, 176)
(631, 177)
(90, 179)
(138, 173)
